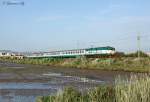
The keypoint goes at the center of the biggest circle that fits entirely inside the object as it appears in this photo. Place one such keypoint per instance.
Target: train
(87, 52)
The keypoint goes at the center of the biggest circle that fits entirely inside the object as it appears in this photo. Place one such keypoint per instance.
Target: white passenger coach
(96, 51)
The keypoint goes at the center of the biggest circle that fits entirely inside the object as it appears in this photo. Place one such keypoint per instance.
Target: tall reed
(134, 89)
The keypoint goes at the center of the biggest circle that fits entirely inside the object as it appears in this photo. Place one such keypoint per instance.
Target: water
(27, 95)
(28, 91)
(24, 83)
(24, 92)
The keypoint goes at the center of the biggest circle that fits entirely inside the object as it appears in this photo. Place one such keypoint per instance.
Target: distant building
(148, 53)
(5, 54)
(11, 55)
(19, 56)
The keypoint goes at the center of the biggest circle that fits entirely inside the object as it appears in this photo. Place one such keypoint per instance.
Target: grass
(120, 64)
(135, 89)
(99, 94)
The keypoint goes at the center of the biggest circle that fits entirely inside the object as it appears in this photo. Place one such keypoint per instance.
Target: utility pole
(138, 43)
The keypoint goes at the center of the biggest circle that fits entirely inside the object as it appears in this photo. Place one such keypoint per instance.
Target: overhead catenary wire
(121, 40)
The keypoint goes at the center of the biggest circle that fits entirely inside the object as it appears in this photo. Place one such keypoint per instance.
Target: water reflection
(23, 95)
(28, 91)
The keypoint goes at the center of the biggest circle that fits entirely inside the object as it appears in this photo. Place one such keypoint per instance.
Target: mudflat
(24, 82)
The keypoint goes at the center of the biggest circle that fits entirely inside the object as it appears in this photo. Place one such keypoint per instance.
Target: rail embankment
(132, 64)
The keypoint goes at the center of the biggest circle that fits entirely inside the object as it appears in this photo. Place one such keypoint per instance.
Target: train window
(80, 51)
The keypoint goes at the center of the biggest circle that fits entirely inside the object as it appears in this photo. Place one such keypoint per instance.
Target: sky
(45, 25)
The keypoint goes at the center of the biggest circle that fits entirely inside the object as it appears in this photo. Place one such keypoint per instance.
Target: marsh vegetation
(133, 64)
(135, 89)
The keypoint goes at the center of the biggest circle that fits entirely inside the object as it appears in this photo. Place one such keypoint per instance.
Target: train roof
(87, 49)
(102, 48)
